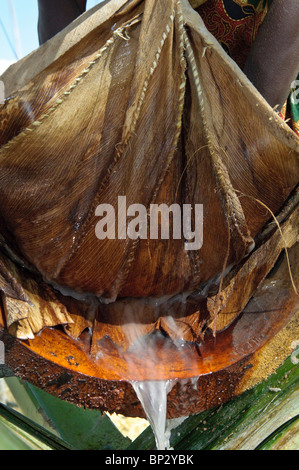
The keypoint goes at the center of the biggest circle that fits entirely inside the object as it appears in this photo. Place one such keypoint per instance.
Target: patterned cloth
(235, 24)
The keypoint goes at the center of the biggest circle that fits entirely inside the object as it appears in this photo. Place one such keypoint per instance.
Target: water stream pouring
(129, 101)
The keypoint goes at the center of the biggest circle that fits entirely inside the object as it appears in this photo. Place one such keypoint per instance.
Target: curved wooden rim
(62, 366)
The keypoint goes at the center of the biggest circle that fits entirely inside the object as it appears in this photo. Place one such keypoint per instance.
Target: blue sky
(26, 17)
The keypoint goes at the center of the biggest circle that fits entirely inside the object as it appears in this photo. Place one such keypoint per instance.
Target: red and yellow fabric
(235, 24)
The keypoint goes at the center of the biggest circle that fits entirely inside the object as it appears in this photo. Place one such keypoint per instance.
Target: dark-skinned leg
(55, 15)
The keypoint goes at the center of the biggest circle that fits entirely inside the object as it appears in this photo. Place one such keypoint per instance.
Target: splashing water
(152, 394)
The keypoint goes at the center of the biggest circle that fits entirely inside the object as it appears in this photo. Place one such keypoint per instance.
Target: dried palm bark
(138, 101)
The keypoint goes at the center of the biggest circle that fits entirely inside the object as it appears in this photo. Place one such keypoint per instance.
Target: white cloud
(4, 64)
